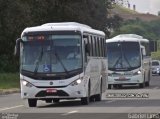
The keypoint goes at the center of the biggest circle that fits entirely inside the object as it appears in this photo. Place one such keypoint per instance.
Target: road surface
(147, 104)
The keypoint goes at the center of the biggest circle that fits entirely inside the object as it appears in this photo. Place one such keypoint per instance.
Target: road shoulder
(9, 91)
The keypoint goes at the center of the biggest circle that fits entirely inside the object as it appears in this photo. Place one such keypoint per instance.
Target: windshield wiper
(65, 69)
(38, 61)
(120, 58)
(127, 60)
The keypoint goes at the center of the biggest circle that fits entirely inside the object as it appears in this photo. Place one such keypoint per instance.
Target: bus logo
(51, 83)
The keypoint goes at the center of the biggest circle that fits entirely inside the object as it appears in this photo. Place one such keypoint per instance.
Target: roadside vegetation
(9, 80)
(156, 55)
(149, 30)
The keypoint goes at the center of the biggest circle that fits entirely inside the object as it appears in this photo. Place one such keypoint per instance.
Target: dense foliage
(149, 30)
(19, 14)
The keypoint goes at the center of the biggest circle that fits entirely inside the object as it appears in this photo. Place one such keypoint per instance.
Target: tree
(17, 15)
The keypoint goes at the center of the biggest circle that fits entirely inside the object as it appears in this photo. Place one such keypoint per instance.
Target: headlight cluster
(26, 83)
(76, 82)
(157, 69)
(137, 73)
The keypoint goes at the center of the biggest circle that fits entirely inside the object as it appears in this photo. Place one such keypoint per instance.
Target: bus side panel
(96, 69)
(104, 73)
(147, 67)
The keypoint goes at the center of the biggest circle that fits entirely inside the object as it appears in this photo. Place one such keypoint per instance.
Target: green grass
(155, 55)
(9, 80)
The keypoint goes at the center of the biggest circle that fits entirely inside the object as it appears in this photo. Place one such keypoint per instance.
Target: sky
(144, 6)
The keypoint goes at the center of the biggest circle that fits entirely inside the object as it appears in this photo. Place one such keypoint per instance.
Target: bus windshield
(51, 53)
(123, 56)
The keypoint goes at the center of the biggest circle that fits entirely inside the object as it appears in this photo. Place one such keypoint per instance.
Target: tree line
(149, 30)
(19, 14)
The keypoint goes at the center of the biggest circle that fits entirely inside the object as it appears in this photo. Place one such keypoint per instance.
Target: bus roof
(64, 26)
(128, 38)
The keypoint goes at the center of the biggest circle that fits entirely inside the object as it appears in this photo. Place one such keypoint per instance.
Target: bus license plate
(51, 91)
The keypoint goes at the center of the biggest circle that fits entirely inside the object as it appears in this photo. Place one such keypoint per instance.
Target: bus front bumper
(67, 92)
(125, 80)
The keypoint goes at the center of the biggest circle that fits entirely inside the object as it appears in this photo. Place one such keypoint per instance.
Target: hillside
(127, 14)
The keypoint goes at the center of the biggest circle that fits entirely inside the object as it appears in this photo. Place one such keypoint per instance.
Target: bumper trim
(43, 93)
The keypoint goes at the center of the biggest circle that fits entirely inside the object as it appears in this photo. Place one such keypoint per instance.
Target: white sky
(144, 6)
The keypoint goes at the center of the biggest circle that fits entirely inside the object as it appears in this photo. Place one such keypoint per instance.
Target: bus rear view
(128, 63)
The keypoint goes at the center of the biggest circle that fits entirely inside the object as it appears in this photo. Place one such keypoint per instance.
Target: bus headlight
(26, 83)
(137, 73)
(157, 69)
(76, 82)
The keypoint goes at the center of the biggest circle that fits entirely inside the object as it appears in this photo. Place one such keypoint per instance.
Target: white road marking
(71, 112)
(110, 101)
(8, 108)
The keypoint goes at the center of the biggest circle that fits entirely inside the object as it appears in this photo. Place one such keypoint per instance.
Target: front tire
(115, 86)
(99, 96)
(86, 100)
(149, 78)
(119, 86)
(109, 86)
(147, 83)
(142, 85)
(32, 102)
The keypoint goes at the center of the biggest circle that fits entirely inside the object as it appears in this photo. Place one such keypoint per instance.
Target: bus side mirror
(143, 52)
(17, 47)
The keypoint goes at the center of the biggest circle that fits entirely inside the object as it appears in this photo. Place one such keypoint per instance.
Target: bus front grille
(45, 94)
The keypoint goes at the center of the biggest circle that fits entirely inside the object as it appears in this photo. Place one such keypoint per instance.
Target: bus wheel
(149, 78)
(99, 96)
(142, 85)
(56, 100)
(115, 85)
(119, 86)
(109, 86)
(32, 102)
(147, 83)
(86, 100)
(91, 99)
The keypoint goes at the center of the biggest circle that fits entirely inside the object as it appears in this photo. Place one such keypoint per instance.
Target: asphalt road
(125, 103)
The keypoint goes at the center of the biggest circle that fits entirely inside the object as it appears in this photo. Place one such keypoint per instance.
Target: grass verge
(9, 81)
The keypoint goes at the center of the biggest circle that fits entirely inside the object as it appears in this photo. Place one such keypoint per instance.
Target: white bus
(62, 61)
(129, 61)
